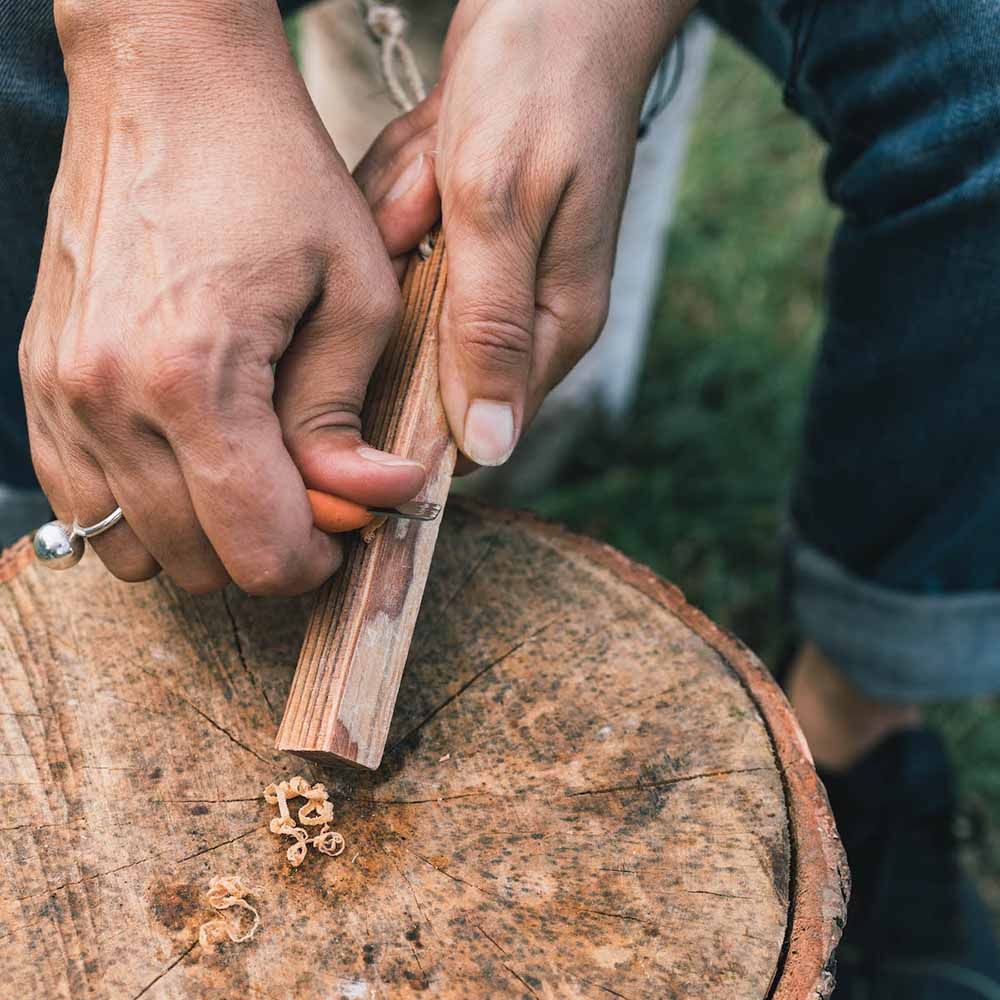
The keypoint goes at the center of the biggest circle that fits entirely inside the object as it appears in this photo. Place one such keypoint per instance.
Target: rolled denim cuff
(894, 645)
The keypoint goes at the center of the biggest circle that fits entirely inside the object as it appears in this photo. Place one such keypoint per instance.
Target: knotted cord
(387, 25)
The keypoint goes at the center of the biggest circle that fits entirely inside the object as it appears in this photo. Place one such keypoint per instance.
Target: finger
(336, 460)
(73, 480)
(247, 495)
(84, 495)
(163, 517)
(382, 158)
(411, 206)
(251, 503)
(494, 233)
(397, 178)
(321, 384)
(573, 287)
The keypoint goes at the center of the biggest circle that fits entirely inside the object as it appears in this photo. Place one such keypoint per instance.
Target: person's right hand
(530, 135)
(203, 230)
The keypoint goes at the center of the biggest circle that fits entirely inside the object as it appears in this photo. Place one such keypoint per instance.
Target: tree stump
(589, 791)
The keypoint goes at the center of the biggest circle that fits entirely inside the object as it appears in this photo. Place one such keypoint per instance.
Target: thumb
(487, 324)
(319, 389)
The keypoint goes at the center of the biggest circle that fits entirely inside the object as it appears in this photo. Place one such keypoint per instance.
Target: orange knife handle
(335, 515)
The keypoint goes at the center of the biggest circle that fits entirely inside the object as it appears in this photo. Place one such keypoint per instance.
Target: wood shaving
(371, 529)
(317, 811)
(296, 854)
(329, 842)
(225, 892)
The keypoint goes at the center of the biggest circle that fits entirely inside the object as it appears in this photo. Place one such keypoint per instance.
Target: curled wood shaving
(329, 842)
(371, 529)
(299, 786)
(283, 825)
(317, 811)
(296, 854)
(225, 892)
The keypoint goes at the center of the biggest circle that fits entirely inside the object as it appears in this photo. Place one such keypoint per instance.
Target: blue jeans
(894, 547)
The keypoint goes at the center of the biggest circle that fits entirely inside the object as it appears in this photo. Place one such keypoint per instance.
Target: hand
(531, 134)
(201, 231)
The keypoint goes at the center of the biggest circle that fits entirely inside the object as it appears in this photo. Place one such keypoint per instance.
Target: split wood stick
(345, 685)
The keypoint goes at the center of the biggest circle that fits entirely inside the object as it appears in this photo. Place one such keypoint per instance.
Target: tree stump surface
(588, 791)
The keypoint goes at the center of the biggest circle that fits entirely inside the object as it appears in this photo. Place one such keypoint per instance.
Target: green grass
(696, 485)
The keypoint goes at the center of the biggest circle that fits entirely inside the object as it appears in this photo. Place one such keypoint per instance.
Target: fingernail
(406, 179)
(489, 432)
(385, 458)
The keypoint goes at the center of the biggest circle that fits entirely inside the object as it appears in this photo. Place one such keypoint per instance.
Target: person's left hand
(530, 136)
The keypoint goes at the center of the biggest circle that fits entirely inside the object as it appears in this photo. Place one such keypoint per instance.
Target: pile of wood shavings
(318, 810)
(224, 893)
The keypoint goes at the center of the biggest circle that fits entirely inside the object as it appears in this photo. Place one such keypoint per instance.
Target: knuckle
(589, 316)
(59, 200)
(502, 345)
(395, 134)
(24, 360)
(483, 196)
(85, 379)
(48, 471)
(367, 300)
(580, 317)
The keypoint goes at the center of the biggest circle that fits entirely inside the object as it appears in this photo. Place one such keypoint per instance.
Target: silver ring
(60, 546)
(98, 529)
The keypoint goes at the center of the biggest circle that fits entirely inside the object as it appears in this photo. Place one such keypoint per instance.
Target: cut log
(589, 791)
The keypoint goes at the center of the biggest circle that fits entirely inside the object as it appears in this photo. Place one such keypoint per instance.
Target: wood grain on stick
(344, 690)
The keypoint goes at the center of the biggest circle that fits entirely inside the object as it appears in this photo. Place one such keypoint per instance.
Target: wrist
(652, 25)
(109, 38)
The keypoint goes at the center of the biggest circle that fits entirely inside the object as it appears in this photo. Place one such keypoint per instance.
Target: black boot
(916, 928)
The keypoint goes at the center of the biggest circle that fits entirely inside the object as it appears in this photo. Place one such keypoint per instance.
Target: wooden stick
(345, 685)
